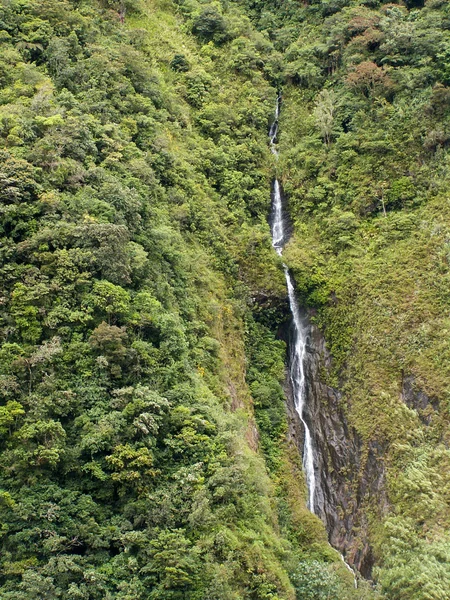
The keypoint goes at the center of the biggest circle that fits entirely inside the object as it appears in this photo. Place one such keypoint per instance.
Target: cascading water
(297, 375)
(298, 348)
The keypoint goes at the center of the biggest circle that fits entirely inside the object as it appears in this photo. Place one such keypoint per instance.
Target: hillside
(146, 452)
(364, 145)
(135, 182)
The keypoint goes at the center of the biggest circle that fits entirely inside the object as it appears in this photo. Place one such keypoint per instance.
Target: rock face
(347, 477)
(415, 398)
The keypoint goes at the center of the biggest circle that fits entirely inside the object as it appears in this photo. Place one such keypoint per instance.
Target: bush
(210, 25)
(312, 580)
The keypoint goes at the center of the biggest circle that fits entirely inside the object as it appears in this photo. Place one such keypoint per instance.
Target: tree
(324, 114)
(122, 6)
(369, 79)
(313, 581)
(210, 25)
(109, 341)
(9, 415)
(110, 299)
(42, 443)
(132, 467)
(174, 566)
(179, 63)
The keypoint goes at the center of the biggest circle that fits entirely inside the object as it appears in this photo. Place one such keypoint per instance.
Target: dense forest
(145, 446)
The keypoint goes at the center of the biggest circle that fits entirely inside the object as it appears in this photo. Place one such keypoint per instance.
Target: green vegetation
(364, 152)
(143, 450)
(134, 180)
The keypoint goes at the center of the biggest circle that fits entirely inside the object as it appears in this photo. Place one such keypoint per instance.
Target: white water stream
(298, 348)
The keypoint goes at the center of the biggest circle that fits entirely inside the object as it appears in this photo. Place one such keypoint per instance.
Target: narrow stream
(298, 347)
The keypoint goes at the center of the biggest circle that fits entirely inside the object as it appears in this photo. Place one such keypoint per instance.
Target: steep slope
(138, 282)
(364, 151)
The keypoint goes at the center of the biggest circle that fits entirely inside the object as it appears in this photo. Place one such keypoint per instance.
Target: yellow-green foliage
(134, 179)
(364, 162)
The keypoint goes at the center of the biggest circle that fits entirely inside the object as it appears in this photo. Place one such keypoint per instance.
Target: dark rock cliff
(347, 477)
(416, 398)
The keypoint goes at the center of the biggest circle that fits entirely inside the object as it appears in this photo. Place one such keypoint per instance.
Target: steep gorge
(134, 181)
(338, 484)
(347, 480)
(368, 200)
(316, 424)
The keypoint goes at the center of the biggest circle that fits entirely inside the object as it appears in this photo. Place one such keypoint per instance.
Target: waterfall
(298, 348)
(297, 375)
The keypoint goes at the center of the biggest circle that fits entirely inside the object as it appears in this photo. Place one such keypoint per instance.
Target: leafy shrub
(313, 581)
(210, 25)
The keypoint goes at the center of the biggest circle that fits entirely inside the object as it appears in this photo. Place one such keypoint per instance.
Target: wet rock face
(347, 477)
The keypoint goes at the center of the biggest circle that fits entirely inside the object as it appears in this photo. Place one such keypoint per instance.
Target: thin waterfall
(298, 348)
(297, 375)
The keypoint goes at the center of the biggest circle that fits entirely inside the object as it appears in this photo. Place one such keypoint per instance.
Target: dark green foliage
(136, 263)
(125, 195)
(209, 24)
(179, 63)
(265, 376)
(135, 189)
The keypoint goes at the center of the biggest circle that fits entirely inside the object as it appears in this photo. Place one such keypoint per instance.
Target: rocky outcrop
(348, 475)
(416, 398)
